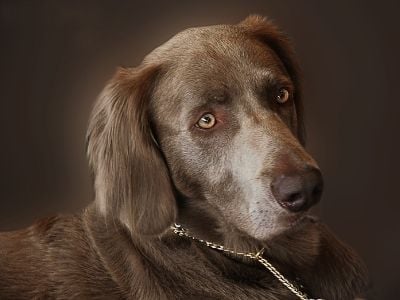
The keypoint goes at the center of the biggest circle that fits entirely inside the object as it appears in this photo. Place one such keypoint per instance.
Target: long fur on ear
(267, 32)
(131, 179)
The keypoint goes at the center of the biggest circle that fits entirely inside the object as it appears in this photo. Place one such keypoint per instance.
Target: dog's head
(210, 123)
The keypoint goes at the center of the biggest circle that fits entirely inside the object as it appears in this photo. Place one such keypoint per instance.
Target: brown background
(56, 56)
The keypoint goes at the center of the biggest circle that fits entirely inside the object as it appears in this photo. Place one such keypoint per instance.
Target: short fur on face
(153, 165)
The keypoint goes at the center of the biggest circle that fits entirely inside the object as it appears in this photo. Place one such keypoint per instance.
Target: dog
(206, 134)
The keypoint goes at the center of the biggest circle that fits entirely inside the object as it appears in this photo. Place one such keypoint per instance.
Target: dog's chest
(205, 285)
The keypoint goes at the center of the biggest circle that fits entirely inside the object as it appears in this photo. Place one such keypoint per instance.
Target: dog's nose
(298, 192)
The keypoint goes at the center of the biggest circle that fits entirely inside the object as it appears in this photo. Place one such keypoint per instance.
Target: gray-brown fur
(152, 167)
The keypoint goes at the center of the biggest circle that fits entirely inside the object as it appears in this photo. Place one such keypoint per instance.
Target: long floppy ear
(267, 32)
(131, 179)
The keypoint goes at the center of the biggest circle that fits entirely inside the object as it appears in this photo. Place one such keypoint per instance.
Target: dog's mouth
(291, 222)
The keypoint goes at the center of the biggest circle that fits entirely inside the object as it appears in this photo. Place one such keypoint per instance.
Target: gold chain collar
(179, 230)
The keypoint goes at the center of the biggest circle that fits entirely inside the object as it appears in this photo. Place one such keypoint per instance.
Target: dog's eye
(283, 95)
(206, 121)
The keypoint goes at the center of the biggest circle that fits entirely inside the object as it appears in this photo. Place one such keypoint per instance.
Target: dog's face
(223, 105)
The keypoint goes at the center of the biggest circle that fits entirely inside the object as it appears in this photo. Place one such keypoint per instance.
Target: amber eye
(283, 95)
(206, 121)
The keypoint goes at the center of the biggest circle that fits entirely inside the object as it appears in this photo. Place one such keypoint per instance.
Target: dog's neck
(297, 247)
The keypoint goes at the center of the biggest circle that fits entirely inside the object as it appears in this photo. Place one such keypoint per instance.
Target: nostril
(294, 202)
(294, 197)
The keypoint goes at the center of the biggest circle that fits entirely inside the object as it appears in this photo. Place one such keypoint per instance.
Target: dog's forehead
(223, 53)
(207, 62)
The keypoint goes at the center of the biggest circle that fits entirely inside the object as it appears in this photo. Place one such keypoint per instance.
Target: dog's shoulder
(52, 257)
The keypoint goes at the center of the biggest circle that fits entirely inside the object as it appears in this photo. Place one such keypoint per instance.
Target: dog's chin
(285, 224)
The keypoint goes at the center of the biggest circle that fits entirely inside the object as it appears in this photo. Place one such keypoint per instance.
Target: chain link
(179, 230)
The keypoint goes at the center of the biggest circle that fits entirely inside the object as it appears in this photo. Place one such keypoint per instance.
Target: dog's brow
(209, 99)
(271, 77)
(215, 96)
(267, 74)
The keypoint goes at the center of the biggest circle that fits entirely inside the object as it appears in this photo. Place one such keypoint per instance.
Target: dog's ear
(131, 180)
(268, 33)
